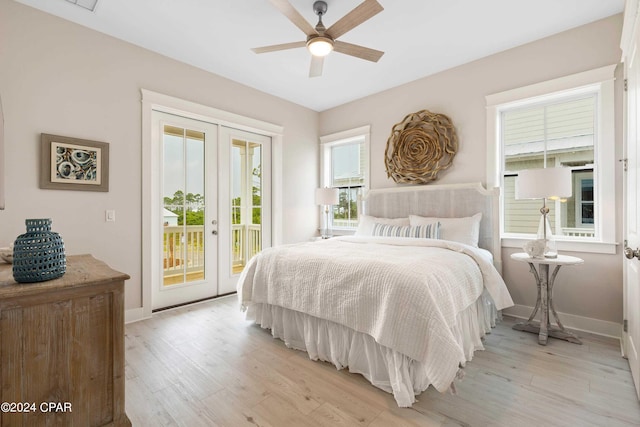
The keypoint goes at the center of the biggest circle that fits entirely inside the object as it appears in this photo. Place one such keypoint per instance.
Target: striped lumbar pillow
(425, 231)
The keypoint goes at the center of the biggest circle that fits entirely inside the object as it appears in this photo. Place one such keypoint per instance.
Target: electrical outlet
(110, 216)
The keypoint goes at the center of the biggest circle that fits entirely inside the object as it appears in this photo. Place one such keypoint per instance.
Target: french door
(189, 210)
(247, 186)
(214, 210)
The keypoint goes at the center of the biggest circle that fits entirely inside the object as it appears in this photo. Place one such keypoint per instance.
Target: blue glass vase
(38, 254)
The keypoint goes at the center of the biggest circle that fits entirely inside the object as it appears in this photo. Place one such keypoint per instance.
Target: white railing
(578, 232)
(244, 248)
(343, 223)
(183, 247)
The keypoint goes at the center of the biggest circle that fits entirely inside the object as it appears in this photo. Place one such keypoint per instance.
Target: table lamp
(326, 197)
(546, 183)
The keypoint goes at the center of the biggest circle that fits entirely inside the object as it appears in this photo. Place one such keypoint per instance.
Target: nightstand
(539, 267)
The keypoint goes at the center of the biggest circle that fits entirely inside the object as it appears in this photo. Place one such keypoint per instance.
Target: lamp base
(545, 234)
(325, 234)
(550, 248)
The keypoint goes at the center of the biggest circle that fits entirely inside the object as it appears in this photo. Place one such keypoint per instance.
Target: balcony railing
(578, 232)
(344, 223)
(245, 247)
(183, 247)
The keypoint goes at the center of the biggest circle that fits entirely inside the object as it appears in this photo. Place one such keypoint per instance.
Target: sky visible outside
(174, 166)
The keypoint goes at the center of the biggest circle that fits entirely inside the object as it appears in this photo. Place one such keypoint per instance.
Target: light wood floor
(204, 365)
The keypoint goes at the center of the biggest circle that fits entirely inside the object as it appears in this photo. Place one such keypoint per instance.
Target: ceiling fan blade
(357, 51)
(316, 66)
(276, 47)
(294, 16)
(357, 16)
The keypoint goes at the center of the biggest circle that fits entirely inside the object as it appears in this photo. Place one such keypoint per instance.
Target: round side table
(544, 303)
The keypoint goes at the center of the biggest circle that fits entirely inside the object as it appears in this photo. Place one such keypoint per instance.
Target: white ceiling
(419, 38)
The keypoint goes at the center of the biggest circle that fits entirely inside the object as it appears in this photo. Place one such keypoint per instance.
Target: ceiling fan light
(320, 46)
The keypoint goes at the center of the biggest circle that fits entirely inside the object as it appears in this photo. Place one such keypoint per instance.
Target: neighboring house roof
(168, 213)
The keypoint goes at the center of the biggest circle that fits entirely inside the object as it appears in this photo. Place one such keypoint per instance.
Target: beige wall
(60, 78)
(593, 290)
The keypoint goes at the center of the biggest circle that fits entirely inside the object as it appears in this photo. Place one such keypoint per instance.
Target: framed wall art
(73, 164)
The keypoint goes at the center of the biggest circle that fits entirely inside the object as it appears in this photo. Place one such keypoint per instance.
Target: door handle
(630, 253)
(214, 232)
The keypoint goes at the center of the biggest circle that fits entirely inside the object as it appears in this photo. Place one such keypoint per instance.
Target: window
(557, 133)
(345, 165)
(584, 202)
(568, 123)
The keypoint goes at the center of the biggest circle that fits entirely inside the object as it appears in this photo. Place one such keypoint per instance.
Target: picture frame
(73, 164)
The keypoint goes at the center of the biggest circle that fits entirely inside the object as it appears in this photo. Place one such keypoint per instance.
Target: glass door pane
(185, 209)
(184, 205)
(246, 204)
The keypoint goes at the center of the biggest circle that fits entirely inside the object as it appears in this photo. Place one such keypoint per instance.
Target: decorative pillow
(365, 225)
(463, 230)
(425, 231)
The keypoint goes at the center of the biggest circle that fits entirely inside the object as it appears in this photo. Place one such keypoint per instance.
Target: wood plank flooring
(204, 365)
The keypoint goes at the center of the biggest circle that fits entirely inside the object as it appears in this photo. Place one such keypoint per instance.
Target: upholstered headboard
(445, 201)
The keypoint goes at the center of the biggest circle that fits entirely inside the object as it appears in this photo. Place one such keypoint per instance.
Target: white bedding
(383, 367)
(407, 294)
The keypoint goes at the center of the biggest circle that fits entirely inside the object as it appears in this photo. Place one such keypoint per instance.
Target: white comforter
(405, 293)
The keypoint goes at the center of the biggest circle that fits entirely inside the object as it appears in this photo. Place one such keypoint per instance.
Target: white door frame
(630, 44)
(153, 101)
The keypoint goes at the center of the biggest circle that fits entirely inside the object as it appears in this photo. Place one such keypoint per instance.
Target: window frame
(601, 81)
(580, 202)
(330, 141)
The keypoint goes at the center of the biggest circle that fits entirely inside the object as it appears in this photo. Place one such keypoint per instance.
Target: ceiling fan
(320, 40)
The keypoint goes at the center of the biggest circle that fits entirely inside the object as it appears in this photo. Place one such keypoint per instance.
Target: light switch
(110, 216)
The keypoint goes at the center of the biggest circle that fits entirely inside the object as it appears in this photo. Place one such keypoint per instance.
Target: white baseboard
(136, 314)
(133, 315)
(571, 321)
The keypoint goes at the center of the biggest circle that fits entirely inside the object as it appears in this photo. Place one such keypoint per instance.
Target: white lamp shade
(547, 183)
(327, 196)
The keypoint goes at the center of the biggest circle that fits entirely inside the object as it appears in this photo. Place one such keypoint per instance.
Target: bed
(405, 302)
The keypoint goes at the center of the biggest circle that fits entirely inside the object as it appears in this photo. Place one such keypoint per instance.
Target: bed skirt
(385, 368)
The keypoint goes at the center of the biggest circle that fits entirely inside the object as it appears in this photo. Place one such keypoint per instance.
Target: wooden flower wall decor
(419, 147)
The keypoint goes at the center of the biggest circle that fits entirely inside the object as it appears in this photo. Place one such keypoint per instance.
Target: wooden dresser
(62, 348)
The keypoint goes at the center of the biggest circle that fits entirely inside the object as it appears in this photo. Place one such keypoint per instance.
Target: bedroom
(61, 78)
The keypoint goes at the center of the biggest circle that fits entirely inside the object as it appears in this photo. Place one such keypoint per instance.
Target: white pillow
(426, 231)
(463, 230)
(365, 224)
